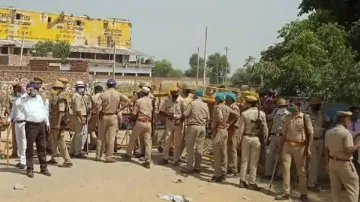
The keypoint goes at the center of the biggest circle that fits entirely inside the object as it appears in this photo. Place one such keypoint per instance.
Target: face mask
(18, 94)
(55, 92)
(291, 108)
(81, 91)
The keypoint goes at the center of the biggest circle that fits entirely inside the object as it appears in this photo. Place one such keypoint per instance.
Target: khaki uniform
(143, 109)
(294, 147)
(10, 102)
(250, 141)
(78, 105)
(341, 169)
(186, 102)
(220, 121)
(42, 93)
(93, 122)
(233, 141)
(57, 106)
(317, 148)
(197, 114)
(109, 103)
(278, 119)
(173, 127)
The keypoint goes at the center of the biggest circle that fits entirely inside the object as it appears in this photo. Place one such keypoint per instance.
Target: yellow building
(16, 24)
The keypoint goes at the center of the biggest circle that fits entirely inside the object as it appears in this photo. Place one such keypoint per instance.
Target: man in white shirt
(36, 117)
(18, 117)
(354, 129)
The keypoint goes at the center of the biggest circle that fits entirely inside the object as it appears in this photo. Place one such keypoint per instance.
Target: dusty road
(94, 181)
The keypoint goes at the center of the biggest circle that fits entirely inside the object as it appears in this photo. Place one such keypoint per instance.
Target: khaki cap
(174, 88)
(343, 113)
(38, 79)
(315, 101)
(58, 84)
(63, 80)
(145, 89)
(186, 85)
(251, 98)
(281, 102)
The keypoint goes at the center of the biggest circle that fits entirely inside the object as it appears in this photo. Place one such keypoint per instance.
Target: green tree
(42, 48)
(218, 68)
(193, 62)
(164, 68)
(59, 49)
(244, 76)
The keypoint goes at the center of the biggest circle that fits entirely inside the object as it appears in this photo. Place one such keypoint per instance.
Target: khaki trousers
(298, 153)
(195, 139)
(220, 152)
(76, 142)
(107, 130)
(93, 138)
(142, 130)
(232, 149)
(271, 153)
(178, 139)
(250, 151)
(315, 161)
(58, 142)
(343, 173)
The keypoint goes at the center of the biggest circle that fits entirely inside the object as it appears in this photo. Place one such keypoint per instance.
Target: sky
(173, 30)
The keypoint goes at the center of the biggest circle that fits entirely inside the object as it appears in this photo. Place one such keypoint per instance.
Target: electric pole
(198, 66)
(226, 65)
(205, 55)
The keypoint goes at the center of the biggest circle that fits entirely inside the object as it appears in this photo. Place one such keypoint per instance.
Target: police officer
(295, 143)
(59, 119)
(109, 106)
(188, 96)
(339, 147)
(253, 131)
(197, 115)
(219, 126)
(142, 113)
(233, 136)
(93, 122)
(79, 119)
(277, 120)
(319, 122)
(172, 109)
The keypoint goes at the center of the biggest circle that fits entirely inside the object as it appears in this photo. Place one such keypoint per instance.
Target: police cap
(251, 98)
(343, 113)
(111, 82)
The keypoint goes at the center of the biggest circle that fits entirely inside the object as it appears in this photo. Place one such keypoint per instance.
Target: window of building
(78, 23)
(18, 16)
(49, 19)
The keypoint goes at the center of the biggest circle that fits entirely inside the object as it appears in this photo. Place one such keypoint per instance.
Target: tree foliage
(193, 63)
(59, 49)
(164, 68)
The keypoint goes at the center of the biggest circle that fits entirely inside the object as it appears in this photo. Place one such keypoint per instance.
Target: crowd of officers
(287, 134)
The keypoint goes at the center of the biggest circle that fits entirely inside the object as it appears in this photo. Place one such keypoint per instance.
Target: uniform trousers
(315, 162)
(271, 154)
(21, 140)
(195, 139)
(220, 152)
(250, 152)
(142, 130)
(178, 132)
(35, 132)
(107, 131)
(59, 143)
(232, 149)
(80, 136)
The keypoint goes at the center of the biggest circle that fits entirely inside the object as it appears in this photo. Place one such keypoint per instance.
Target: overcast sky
(174, 29)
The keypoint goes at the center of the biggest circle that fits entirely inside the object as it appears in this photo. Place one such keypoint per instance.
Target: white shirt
(17, 111)
(34, 109)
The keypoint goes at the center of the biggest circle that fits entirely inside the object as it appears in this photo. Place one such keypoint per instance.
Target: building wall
(77, 30)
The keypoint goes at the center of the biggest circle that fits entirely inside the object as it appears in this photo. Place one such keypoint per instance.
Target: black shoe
(186, 171)
(126, 157)
(66, 165)
(163, 162)
(254, 187)
(217, 179)
(315, 188)
(30, 173)
(48, 151)
(282, 197)
(52, 162)
(22, 166)
(138, 155)
(110, 161)
(304, 198)
(146, 164)
(45, 172)
(242, 184)
(80, 156)
(18, 165)
(197, 170)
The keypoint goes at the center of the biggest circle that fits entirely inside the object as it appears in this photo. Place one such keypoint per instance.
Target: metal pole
(198, 66)
(22, 48)
(114, 62)
(205, 55)
(217, 71)
(223, 74)
(226, 65)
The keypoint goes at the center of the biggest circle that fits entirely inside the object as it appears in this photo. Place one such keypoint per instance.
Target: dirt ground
(94, 181)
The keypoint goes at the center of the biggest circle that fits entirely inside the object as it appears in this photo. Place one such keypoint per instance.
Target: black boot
(242, 184)
(146, 164)
(254, 187)
(30, 173)
(45, 172)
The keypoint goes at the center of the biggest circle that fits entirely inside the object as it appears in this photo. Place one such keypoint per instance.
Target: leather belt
(339, 159)
(318, 138)
(293, 143)
(21, 121)
(34, 123)
(250, 134)
(143, 120)
(108, 114)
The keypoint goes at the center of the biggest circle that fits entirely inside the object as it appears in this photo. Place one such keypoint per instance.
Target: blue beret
(220, 96)
(32, 84)
(230, 96)
(111, 82)
(199, 93)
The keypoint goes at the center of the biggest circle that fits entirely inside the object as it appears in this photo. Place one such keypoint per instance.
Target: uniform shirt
(221, 115)
(95, 101)
(59, 104)
(10, 100)
(247, 123)
(176, 107)
(317, 121)
(236, 109)
(187, 100)
(109, 101)
(197, 113)
(34, 109)
(278, 117)
(143, 108)
(294, 127)
(79, 104)
(42, 93)
(17, 111)
(336, 140)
